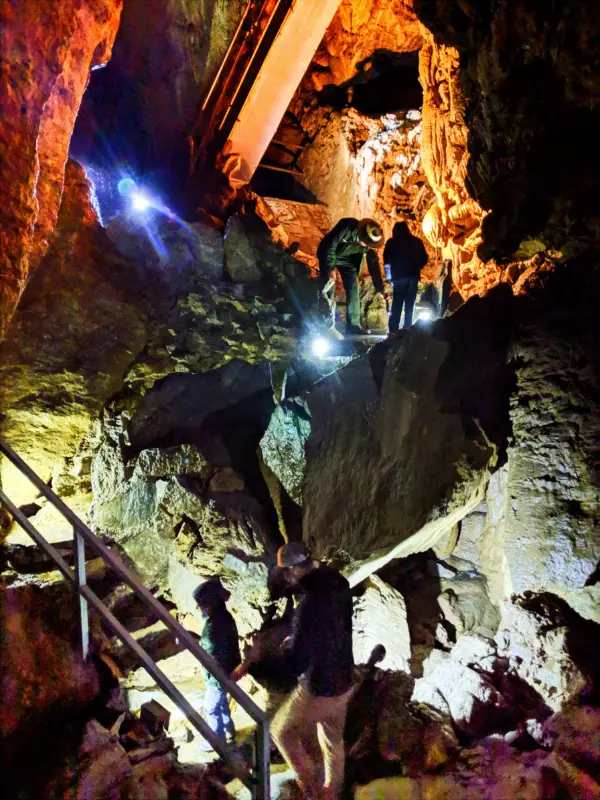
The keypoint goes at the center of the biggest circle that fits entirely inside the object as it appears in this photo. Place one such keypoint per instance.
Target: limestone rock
(575, 735)
(457, 685)
(50, 49)
(459, 691)
(394, 419)
(466, 605)
(380, 618)
(175, 255)
(282, 445)
(186, 459)
(56, 376)
(552, 526)
(241, 258)
(400, 732)
(536, 642)
(105, 769)
(39, 661)
(359, 30)
(209, 328)
(172, 406)
(226, 480)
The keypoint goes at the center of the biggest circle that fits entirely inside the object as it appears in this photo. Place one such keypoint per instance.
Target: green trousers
(349, 277)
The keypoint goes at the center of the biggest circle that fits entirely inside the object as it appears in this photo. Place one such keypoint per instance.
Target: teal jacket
(220, 639)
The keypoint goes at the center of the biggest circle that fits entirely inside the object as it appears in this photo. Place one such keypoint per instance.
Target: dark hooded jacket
(405, 254)
(341, 249)
(321, 648)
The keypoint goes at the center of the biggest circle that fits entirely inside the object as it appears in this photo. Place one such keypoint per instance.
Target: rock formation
(157, 374)
(51, 49)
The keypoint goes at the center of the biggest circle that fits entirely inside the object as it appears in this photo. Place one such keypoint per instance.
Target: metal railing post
(257, 779)
(84, 621)
(262, 760)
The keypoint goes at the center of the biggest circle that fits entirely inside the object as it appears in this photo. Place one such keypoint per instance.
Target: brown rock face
(359, 28)
(48, 51)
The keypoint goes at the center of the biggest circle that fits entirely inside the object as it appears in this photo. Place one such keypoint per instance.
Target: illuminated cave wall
(48, 51)
(364, 156)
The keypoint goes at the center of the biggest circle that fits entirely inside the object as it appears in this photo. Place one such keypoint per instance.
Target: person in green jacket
(344, 249)
(219, 639)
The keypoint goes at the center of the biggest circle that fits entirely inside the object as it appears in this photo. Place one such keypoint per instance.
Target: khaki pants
(306, 725)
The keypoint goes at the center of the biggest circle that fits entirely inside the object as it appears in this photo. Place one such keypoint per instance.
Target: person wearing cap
(313, 718)
(404, 257)
(344, 249)
(219, 639)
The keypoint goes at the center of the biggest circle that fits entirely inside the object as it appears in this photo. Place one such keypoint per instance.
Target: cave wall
(363, 164)
(143, 107)
(49, 49)
(55, 377)
(516, 85)
(358, 29)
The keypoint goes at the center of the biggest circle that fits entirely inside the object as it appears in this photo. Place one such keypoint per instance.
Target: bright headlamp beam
(139, 200)
(320, 346)
(425, 315)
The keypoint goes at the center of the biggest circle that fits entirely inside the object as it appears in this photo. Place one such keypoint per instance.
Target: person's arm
(424, 258)
(299, 645)
(328, 248)
(387, 257)
(251, 656)
(375, 270)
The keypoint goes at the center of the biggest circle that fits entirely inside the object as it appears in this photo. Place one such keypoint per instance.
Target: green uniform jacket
(341, 249)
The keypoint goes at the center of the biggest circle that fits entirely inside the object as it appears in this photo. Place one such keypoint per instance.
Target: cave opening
(385, 82)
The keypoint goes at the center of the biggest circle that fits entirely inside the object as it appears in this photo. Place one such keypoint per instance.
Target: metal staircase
(257, 779)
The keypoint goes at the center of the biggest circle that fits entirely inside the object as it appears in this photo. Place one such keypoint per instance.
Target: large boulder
(407, 437)
(178, 405)
(282, 445)
(457, 684)
(380, 618)
(544, 647)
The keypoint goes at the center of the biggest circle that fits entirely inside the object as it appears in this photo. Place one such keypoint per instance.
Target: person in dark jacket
(344, 249)
(219, 639)
(404, 257)
(320, 647)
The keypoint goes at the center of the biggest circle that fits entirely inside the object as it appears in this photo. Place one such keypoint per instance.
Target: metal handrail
(258, 781)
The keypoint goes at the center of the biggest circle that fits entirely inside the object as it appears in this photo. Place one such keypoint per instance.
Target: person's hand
(287, 643)
(239, 672)
(254, 651)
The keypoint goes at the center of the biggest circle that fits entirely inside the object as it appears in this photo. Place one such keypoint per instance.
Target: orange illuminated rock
(48, 49)
(359, 28)
(453, 221)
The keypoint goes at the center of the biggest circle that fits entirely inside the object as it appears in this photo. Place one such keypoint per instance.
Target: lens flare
(320, 346)
(425, 315)
(139, 200)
